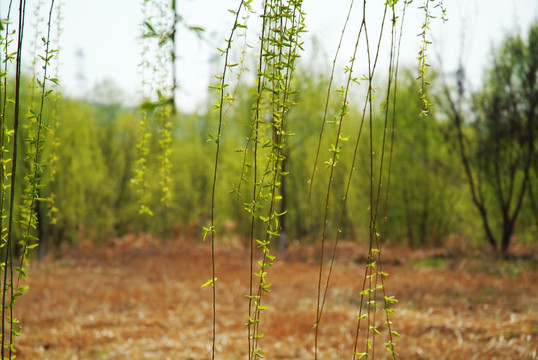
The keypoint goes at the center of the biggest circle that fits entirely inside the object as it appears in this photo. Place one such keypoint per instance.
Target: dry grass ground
(139, 299)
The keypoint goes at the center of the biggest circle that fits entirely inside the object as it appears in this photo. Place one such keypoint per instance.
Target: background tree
(496, 137)
(426, 189)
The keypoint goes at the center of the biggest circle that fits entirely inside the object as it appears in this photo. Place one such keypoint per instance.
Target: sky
(100, 39)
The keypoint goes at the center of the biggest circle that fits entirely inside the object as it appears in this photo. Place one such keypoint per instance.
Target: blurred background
(100, 66)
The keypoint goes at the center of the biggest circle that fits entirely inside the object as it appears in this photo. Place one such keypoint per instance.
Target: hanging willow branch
(8, 179)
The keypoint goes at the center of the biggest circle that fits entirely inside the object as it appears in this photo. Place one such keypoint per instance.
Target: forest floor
(139, 299)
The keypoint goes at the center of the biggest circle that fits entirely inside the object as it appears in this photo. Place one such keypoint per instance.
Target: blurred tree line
(88, 194)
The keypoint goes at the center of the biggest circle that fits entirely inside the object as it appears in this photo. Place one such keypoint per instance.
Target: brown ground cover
(140, 299)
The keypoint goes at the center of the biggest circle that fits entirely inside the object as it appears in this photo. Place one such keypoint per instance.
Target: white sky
(107, 33)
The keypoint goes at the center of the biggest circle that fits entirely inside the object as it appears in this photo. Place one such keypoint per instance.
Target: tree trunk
(508, 230)
(409, 219)
(487, 229)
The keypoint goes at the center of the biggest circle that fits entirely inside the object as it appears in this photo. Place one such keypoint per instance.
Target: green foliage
(425, 187)
(158, 58)
(96, 180)
(98, 130)
(496, 138)
(103, 137)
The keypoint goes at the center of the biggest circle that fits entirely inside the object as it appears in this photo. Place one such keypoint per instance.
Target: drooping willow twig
(8, 255)
(211, 229)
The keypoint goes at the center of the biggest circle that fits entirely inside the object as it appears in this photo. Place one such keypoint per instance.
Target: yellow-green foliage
(94, 169)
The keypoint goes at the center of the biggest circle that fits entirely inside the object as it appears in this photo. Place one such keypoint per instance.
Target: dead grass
(138, 299)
